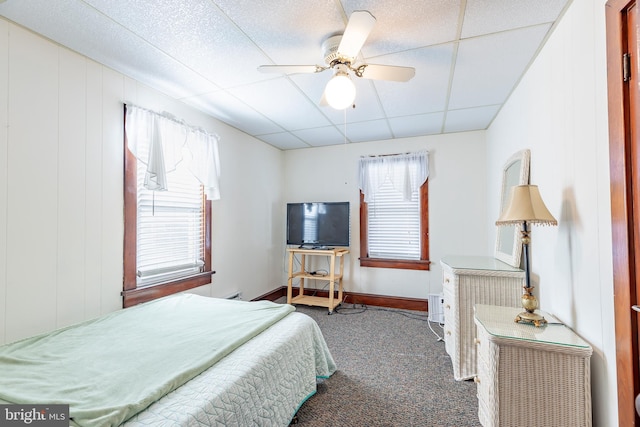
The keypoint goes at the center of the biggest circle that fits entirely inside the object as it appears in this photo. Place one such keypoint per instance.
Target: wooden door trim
(622, 232)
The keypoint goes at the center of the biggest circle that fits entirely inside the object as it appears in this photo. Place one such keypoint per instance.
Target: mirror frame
(511, 233)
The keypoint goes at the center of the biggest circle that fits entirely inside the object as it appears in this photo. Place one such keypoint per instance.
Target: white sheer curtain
(161, 141)
(406, 172)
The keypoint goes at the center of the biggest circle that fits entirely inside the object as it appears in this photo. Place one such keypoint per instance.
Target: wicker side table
(527, 375)
(470, 280)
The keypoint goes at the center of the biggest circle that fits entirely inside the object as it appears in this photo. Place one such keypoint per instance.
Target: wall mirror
(514, 172)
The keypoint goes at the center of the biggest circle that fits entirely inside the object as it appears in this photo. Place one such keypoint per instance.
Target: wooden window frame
(423, 263)
(131, 294)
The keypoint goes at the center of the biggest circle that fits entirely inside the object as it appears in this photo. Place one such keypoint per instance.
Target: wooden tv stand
(330, 302)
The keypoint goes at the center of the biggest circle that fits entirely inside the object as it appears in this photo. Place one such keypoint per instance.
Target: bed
(183, 360)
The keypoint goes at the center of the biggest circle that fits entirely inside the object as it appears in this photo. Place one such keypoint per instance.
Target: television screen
(318, 224)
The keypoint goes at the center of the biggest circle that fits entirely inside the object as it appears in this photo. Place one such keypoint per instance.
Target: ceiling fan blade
(291, 69)
(386, 72)
(358, 28)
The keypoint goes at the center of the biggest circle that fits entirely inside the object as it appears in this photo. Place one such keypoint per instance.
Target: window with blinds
(394, 225)
(170, 228)
(394, 211)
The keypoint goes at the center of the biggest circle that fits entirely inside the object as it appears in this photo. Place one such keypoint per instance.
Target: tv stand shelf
(332, 276)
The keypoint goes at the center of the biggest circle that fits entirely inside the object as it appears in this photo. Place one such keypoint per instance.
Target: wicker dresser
(530, 376)
(470, 280)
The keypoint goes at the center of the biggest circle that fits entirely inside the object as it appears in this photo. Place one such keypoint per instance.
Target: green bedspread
(112, 367)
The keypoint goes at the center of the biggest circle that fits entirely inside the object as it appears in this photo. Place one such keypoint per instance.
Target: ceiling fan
(340, 54)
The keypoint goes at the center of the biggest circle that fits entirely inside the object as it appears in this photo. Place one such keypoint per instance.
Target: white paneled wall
(71, 191)
(111, 201)
(61, 190)
(61, 156)
(94, 175)
(559, 112)
(32, 233)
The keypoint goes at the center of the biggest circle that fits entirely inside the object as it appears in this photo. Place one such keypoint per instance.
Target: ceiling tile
(470, 118)
(422, 124)
(289, 32)
(317, 137)
(82, 28)
(407, 24)
(282, 102)
(367, 131)
(195, 32)
(312, 85)
(234, 112)
(283, 141)
(427, 91)
(488, 67)
(485, 17)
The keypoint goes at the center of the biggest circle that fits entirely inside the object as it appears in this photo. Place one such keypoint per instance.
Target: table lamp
(525, 206)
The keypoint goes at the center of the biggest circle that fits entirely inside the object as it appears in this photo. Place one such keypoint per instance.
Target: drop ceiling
(468, 56)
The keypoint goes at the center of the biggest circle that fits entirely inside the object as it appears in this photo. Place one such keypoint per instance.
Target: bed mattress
(181, 360)
(262, 383)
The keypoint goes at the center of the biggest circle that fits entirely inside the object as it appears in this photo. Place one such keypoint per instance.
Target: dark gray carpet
(392, 371)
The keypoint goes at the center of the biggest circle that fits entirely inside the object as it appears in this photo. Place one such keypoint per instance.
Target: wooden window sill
(138, 296)
(395, 263)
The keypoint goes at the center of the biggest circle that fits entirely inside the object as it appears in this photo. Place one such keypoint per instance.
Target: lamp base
(531, 318)
(530, 303)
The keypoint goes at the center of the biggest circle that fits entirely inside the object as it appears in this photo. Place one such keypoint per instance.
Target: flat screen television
(318, 224)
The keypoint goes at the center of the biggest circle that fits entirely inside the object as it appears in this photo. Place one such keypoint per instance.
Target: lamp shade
(340, 91)
(525, 204)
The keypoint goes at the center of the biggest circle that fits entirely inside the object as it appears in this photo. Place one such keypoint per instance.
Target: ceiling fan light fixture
(340, 91)
(341, 54)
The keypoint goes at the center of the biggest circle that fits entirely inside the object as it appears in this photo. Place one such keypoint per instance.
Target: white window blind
(391, 188)
(394, 225)
(170, 228)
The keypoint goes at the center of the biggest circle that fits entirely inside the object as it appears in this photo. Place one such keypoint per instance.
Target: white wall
(457, 206)
(61, 202)
(61, 194)
(559, 112)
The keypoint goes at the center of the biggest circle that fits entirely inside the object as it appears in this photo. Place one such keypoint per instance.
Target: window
(394, 221)
(167, 242)
(170, 228)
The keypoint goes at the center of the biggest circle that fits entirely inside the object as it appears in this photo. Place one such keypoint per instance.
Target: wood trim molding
(395, 263)
(356, 298)
(130, 216)
(622, 236)
(130, 220)
(424, 224)
(207, 235)
(138, 296)
(423, 263)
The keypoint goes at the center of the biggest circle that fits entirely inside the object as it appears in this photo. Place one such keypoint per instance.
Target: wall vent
(436, 308)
